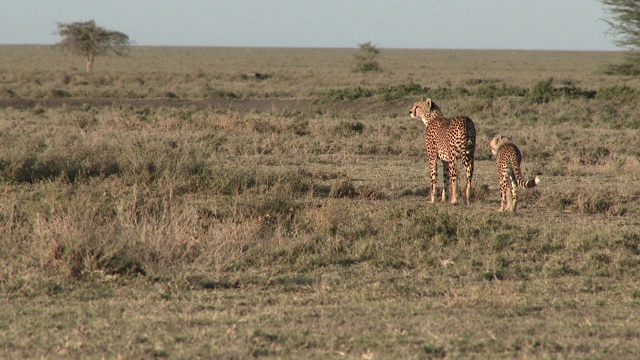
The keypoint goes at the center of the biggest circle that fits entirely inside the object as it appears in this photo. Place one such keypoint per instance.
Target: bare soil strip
(238, 104)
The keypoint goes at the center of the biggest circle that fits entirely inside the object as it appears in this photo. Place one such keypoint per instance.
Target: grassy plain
(170, 230)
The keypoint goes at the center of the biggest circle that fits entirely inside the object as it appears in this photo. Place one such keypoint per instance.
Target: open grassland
(169, 230)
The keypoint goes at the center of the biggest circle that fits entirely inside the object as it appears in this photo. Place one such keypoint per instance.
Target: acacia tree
(624, 21)
(87, 39)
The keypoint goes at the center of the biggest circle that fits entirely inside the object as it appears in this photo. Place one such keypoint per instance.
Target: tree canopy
(87, 39)
(624, 22)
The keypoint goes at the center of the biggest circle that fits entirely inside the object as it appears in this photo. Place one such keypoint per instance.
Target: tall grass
(150, 190)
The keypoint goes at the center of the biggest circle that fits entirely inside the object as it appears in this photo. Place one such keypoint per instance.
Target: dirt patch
(257, 104)
(367, 105)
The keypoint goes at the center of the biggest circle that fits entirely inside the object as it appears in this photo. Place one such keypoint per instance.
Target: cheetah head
(498, 141)
(422, 109)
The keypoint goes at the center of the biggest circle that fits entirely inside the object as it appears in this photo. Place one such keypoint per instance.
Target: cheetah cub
(508, 159)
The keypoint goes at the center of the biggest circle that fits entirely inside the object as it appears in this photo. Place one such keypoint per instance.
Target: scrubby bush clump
(366, 58)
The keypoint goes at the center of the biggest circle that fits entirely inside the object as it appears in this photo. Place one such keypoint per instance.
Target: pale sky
(424, 24)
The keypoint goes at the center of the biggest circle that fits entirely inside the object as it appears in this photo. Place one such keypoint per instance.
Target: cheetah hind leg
(469, 177)
(512, 196)
(447, 180)
(505, 199)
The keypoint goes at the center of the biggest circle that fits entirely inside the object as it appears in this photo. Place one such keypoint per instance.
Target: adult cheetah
(447, 140)
(508, 159)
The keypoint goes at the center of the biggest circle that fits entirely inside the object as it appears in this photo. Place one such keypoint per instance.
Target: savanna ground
(174, 204)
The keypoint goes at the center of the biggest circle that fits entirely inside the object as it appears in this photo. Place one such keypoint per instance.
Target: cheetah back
(508, 159)
(446, 139)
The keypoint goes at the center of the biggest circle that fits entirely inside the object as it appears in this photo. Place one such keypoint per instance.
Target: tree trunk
(89, 63)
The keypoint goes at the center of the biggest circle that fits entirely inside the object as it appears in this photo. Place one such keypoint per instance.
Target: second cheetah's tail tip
(536, 180)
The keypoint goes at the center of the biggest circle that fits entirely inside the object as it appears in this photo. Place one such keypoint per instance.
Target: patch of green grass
(346, 95)
(617, 94)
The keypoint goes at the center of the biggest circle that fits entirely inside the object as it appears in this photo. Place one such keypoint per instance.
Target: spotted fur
(447, 140)
(508, 160)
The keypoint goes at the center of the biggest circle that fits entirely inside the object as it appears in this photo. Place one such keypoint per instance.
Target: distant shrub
(365, 59)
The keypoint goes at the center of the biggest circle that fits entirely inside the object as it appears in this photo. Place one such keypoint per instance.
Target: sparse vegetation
(166, 229)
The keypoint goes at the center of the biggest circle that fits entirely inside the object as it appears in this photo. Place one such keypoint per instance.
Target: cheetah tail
(532, 182)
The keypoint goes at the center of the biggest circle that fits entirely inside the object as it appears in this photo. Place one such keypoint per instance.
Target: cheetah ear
(501, 139)
(428, 102)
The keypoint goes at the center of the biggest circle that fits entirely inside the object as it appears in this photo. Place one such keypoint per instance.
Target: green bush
(542, 92)
(617, 94)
